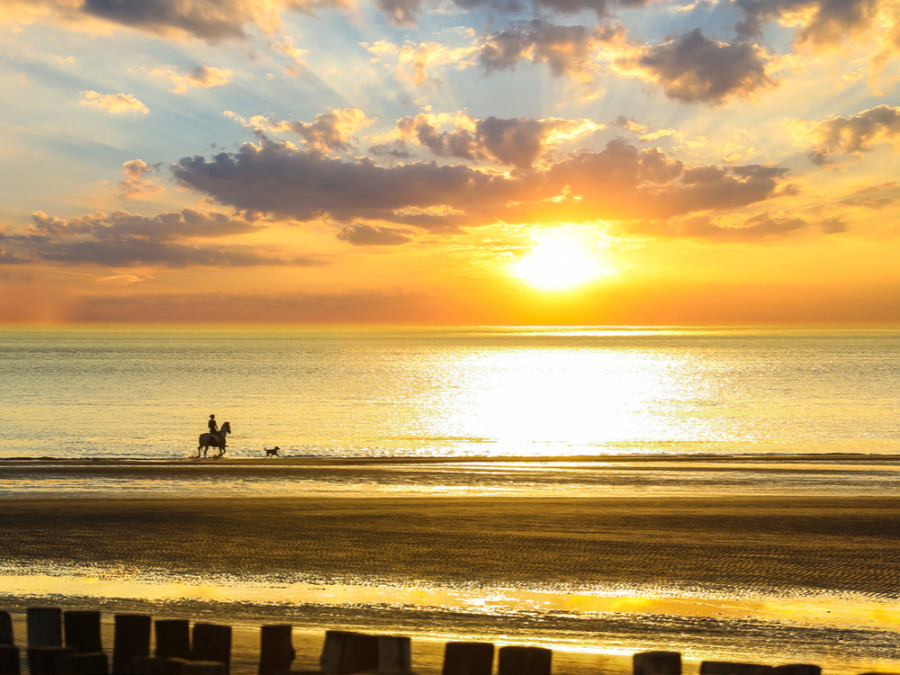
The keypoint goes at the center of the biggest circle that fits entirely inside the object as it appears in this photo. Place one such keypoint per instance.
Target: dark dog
(272, 452)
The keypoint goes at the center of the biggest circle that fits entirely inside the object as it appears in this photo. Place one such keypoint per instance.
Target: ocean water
(469, 392)
(796, 432)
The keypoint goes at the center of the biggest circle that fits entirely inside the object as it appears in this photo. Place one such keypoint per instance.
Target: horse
(209, 439)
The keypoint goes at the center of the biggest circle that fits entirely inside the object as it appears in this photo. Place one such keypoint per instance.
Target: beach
(760, 578)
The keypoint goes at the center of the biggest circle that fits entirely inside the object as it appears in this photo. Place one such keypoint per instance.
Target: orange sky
(414, 161)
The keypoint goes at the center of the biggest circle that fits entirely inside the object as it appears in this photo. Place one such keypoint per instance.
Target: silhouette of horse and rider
(215, 437)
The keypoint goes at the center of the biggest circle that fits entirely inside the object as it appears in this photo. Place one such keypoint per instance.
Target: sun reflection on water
(843, 611)
(533, 400)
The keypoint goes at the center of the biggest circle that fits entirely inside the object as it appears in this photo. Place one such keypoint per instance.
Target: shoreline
(296, 460)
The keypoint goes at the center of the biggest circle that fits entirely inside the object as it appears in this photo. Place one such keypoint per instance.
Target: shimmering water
(668, 423)
(147, 393)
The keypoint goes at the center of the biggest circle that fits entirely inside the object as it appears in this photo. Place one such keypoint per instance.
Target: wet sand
(754, 542)
(563, 548)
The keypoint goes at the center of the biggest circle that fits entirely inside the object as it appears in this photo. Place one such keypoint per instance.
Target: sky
(641, 162)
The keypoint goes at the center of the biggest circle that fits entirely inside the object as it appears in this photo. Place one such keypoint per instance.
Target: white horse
(209, 439)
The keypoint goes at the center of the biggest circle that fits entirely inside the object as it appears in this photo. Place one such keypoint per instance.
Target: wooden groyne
(69, 643)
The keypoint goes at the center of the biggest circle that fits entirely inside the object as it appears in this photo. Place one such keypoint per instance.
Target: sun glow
(560, 260)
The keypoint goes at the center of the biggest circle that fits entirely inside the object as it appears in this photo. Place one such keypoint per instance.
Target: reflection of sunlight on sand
(845, 611)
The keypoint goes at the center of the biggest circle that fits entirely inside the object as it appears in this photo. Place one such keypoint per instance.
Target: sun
(559, 261)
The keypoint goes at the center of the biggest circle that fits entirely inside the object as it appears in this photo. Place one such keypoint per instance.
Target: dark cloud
(184, 224)
(304, 185)
(400, 12)
(7, 258)
(126, 252)
(855, 135)
(407, 12)
(875, 196)
(619, 182)
(124, 239)
(361, 306)
(211, 20)
(695, 69)
(758, 229)
(823, 21)
(567, 50)
(602, 8)
(515, 142)
(393, 150)
(459, 143)
(367, 235)
(624, 182)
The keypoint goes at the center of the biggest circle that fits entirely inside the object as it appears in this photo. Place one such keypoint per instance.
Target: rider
(214, 427)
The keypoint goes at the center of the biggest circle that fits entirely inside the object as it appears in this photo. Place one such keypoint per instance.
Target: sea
(469, 412)
(147, 393)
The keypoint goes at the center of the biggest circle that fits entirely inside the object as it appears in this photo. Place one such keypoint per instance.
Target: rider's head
(212, 417)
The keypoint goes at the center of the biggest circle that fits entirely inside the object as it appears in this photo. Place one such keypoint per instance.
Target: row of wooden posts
(69, 643)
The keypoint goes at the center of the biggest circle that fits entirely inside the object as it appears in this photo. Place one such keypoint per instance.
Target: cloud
(416, 60)
(306, 185)
(567, 50)
(329, 132)
(855, 135)
(211, 20)
(124, 239)
(7, 258)
(619, 182)
(515, 142)
(622, 182)
(355, 306)
(694, 69)
(135, 184)
(406, 12)
(820, 22)
(204, 77)
(366, 235)
(757, 229)
(602, 8)
(875, 196)
(400, 12)
(113, 103)
(690, 67)
(297, 55)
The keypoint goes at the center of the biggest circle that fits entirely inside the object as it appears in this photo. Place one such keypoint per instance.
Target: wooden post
(394, 654)
(9, 660)
(276, 651)
(9, 653)
(348, 652)
(212, 643)
(43, 660)
(192, 667)
(82, 630)
(173, 638)
(524, 661)
(797, 669)
(131, 639)
(44, 626)
(468, 658)
(87, 663)
(728, 668)
(656, 663)
(6, 629)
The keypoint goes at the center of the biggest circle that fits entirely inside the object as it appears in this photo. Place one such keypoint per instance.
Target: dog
(272, 452)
